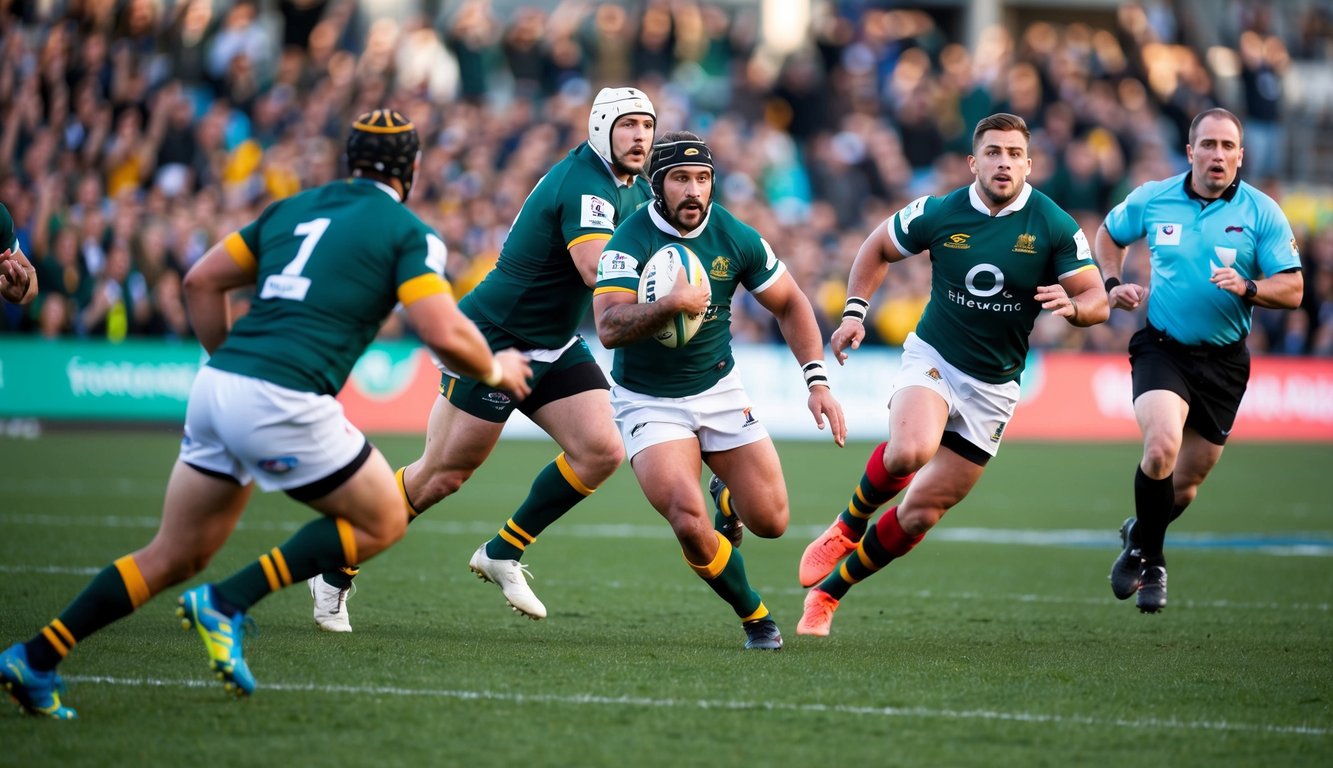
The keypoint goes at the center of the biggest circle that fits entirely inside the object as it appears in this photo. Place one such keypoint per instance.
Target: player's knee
(598, 461)
(439, 485)
(904, 460)
(769, 526)
(1159, 458)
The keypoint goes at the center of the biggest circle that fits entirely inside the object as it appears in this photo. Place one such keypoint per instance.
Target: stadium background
(134, 132)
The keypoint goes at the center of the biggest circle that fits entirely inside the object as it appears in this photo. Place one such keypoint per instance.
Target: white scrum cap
(610, 105)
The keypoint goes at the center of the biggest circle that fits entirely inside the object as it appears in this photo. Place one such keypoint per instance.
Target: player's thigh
(917, 416)
(457, 439)
(753, 472)
(944, 481)
(583, 424)
(1161, 415)
(668, 472)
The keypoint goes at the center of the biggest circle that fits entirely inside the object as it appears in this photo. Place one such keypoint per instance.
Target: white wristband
(496, 375)
(815, 374)
(855, 309)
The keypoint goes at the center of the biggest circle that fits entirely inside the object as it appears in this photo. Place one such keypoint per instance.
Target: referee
(1219, 247)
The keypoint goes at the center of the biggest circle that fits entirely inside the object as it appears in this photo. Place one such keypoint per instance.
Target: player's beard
(684, 206)
(618, 163)
(1002, 200)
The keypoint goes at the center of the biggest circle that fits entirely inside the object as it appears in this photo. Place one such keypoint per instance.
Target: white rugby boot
(330, 605)
(511, 577)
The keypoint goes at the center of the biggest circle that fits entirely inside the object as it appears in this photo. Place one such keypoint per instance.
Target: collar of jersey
(666, 227)
(609, 170)
(1228, 194)
(1017, 205)
(388, 190)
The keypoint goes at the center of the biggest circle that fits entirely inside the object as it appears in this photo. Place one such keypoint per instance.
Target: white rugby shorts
(978, 410)
(249, 428)
(720, 417)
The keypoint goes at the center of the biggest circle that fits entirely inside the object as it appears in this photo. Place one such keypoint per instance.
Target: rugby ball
(659, 277)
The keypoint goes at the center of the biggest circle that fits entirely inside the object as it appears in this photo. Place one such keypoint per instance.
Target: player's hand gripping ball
(659, 277)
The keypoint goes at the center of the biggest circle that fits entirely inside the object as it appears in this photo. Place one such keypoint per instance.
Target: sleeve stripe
(240, 253)
(421, 286)
(779, 272)
(893, 237)
(1073, 272)
(613, 289)
(587, 238)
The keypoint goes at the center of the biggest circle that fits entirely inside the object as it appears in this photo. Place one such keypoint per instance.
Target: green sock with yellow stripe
(113, 594)
(322, 545)
(879, 547)
(877, 488)
(726, 576)
(555, 491)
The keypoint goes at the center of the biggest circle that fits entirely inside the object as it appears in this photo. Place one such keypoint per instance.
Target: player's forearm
(622, 324)
(1092, 307)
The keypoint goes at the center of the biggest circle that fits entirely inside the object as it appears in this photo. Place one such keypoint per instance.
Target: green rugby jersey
(8, 238)
(985, 271)
(734, 255)
(330, 264)
(535, 292)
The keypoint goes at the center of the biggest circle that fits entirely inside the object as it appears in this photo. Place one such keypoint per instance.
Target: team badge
(999, 432)
(933, 374)
(1026, 243)
(720, 269)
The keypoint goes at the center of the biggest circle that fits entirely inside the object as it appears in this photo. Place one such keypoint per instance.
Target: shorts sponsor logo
(497, 399)
(637, 427)
(933, 374)
(958, 240)
(279, 465)
(998, 433)
(750, 420)
(1026, 243)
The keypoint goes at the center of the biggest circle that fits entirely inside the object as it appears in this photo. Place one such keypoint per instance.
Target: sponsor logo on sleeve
(1081, 243)
(594, 212)
(616, 264)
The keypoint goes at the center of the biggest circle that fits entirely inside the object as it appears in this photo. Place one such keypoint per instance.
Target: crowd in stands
(137, 132)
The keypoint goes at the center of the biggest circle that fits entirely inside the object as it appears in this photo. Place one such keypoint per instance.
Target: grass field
(995, 643)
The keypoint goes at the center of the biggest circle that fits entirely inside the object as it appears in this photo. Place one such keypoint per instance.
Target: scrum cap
(688, 150)
(610, 105)
(384, 142)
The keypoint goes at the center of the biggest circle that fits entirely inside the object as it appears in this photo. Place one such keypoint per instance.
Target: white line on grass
(924, 713)
(1296, 544)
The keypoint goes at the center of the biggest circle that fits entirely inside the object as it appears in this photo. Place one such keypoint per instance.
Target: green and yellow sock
(555, 491)
(114, 593)
(882, 546)
(725, 574)
(876, 488)
(321, 546)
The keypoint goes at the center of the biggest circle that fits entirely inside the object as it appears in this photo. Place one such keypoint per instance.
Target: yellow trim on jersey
(614, 289)
(133, 579)
(1081, 269)
(347, 535)
(567, 472)
(421, 286)
(55, 642)
(240, 253)
(587, 238)
(713, 569)
(63, 631)
(758, 614)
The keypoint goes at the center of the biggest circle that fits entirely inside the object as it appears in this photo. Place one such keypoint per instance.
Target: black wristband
(1251, 290)
(1110, 283)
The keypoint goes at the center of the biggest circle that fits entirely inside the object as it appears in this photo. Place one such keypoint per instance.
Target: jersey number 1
(290, 284)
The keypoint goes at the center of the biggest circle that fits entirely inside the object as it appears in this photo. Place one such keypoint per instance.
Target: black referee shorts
(1210, 378)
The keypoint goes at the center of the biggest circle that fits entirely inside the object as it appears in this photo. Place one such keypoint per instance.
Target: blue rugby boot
(762, 635)
(725, 521)
(223, 636)
(36, 693)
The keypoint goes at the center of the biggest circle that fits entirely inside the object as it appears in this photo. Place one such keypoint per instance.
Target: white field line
(924, 713)
(1316, 544)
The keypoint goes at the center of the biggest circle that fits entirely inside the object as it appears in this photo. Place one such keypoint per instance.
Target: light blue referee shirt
(1189, 236)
